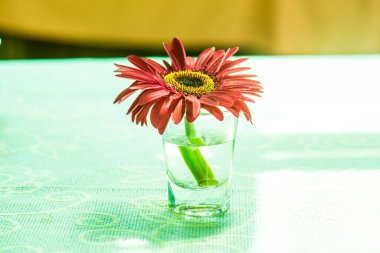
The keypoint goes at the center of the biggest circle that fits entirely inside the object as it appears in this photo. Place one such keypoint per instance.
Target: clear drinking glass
(199, 163)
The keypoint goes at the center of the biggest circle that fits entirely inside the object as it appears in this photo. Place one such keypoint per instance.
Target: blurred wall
(258, 26)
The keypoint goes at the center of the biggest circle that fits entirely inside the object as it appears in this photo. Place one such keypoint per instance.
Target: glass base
(199, 210)
(199, 201)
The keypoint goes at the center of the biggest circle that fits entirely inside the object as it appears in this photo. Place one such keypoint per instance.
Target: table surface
(77, 176)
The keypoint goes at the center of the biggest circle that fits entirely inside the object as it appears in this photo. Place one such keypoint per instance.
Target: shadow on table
(150, 226)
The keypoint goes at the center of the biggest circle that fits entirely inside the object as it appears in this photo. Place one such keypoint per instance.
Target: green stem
(194, 159)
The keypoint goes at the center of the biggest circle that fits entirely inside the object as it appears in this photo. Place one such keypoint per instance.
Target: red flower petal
(208, 101)
(140, 63)
(244, 98)
(242, 81)
(231, 77)
(193, 107)
(154, 117)
(135, 111)
(238, 87)
(227, 55)
(203, 58)
(230, 64)
(124, 95)
(215, 59)
(169, 51)
(178, 112)
(231, 53)
(160, 69)
(141, 116)
(145, 86)
(252, 93)
(168, 66)
(214, 111)
(240, 105)
(217, 67)
(222, 100)
(146, 65)
(120, 68)
(151, 95)
(165, 113)
(234, 70)
(135, 103)
(179, 52)
(136, 74)
(190, 62)
(233, 110)
(247, 91)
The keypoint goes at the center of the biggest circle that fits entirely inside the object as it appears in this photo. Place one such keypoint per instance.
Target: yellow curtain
(326, 26)
(264, 26)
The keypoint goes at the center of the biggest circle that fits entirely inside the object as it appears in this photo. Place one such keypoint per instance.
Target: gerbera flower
(212, 81)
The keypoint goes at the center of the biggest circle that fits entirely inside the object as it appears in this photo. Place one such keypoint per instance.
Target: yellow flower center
(190, 82)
